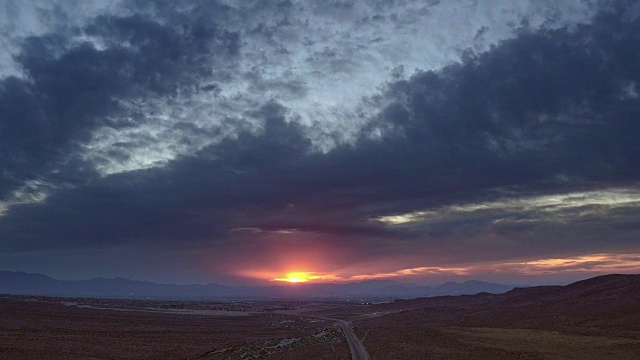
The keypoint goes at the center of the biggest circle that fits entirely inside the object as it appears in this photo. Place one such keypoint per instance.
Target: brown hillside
(598, 318)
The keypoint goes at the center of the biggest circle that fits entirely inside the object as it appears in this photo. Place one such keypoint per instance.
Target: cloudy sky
(239, 141)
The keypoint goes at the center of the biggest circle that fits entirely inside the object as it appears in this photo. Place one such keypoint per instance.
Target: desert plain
(597, 318)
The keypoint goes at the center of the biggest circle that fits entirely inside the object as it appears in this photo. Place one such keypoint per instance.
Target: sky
(248, 142)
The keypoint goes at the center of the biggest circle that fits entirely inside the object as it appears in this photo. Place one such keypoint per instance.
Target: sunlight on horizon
(589, 263)
(299, 277)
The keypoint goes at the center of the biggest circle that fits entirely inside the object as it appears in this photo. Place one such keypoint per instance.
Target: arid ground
(57, 328)
(594, 319)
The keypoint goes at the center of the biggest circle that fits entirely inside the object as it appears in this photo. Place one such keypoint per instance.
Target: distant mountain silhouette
(20, 283)
(609, 300)
(470, 287)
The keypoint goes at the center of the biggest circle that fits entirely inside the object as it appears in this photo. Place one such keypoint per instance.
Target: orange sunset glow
(296, 277)
(595, 263)
(303, 277)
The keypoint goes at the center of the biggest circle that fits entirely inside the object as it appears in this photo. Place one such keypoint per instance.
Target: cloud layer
(221, 141)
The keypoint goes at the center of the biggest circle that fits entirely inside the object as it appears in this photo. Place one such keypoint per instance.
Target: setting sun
(305, 276)
(297, 277)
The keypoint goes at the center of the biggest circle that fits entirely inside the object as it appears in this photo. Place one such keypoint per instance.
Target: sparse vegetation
(59, 328)
(592, 319)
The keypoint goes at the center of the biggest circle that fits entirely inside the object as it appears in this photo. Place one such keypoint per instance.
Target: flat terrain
(597, 318)
(52, 328)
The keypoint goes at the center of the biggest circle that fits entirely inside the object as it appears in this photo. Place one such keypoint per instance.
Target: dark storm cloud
(549, 111)
(550, 103)
(71, 88)
(271, 180)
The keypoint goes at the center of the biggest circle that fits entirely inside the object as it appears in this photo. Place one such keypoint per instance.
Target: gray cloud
(547, 113)
(72, 88)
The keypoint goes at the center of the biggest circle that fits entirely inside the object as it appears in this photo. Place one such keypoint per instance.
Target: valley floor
(595, 319)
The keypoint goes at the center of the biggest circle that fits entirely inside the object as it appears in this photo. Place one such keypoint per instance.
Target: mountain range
(599, 303)
(21, 283)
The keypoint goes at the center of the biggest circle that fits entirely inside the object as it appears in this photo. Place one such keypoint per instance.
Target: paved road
(358, 352)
